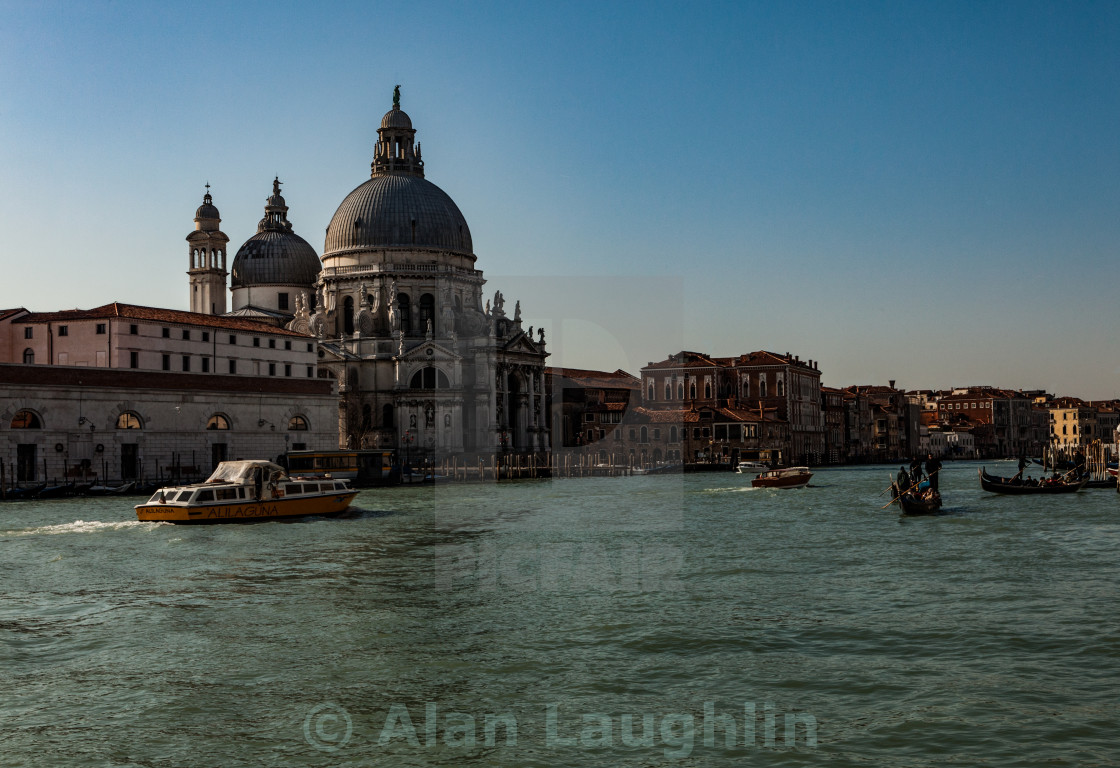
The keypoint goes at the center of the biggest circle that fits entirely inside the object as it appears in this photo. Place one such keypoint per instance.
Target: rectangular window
(272, 369)
(167, 333)
(310, 372)
(206, 365)
(232, 339)
(27, 332)
(282, 300)
(63, 330)
(233, 366)
(309, 347)
(186, 362)
(133, 359)
(134, 329)
(206, 335)
(167, 362)
(656, 434)
(287, 345)
(721, 431)
(287, 369)
(272, 343)
(186, 335)
(101, 329)
(256, 341)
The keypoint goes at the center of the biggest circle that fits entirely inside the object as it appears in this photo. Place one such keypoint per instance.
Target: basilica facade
(425, 362)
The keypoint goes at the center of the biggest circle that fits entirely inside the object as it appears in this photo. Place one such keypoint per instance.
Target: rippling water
(615, 621)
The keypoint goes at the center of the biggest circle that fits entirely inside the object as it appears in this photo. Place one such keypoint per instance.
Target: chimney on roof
(891, 382)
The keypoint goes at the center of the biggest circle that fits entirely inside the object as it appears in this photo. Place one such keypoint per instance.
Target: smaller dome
(396, 118)
(207, 210)
(274, 258)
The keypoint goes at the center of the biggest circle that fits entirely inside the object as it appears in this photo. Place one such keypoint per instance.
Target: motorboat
(750, 466)
(788, 477)
(248, 491)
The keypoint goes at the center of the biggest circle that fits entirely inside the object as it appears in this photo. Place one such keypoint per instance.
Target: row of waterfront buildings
(386, 341)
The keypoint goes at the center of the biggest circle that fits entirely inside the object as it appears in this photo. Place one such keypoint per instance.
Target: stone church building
(424, 361)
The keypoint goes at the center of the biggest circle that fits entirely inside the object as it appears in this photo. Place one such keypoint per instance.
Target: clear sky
(925, 192)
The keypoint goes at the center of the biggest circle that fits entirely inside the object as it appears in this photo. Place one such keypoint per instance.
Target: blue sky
(925, 192)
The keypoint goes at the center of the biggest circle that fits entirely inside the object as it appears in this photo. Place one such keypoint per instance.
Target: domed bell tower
(207, 248)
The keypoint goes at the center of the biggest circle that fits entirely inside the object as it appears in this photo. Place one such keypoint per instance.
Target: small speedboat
(247, 491)
(788, 477)
(750, 466)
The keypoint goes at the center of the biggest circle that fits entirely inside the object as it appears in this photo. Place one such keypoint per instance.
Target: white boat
(247, 491)
(750, 466)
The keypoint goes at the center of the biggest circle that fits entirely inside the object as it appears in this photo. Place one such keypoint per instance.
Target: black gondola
(927, 503)
(1015, 487)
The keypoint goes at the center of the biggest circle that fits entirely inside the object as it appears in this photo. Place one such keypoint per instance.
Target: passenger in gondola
(933, 468)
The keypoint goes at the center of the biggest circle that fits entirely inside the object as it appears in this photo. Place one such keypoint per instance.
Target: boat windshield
(239, 472)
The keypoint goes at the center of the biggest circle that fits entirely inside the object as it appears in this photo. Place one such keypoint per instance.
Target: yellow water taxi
(247, 491)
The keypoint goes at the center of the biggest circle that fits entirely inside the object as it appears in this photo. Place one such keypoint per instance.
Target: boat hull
(285, 508)
(913, 506)
(781, 479)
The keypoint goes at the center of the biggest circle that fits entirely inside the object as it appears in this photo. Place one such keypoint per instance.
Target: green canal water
(642, 621)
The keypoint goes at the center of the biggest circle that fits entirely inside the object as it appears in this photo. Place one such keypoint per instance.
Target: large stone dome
(398, 211)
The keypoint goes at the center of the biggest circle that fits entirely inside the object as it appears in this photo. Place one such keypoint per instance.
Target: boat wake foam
(82, 526)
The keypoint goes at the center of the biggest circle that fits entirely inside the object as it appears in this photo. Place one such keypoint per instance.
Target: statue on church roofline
(397, 97)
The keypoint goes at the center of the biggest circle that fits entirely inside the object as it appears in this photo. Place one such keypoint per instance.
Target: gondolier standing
(915, 470)
(933, 466)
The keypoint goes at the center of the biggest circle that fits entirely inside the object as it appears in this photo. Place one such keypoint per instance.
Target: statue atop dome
(397, 97)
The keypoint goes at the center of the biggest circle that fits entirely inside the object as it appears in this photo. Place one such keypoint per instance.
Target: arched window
(26, 420)
(781, 388)
(218, 421)
(672, 434)
(668, 391)
(644, 436)
(427, 310)
(649, 394)
(128, 420)
(297, 424)
(707, 390)
(405, 306)
(692, 390)
(348, 315)
(680, 390)
(29, 356)
(429, 378)
(762, 388)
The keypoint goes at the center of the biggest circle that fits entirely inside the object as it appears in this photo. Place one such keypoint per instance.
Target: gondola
(926, 503)
(1012, 487)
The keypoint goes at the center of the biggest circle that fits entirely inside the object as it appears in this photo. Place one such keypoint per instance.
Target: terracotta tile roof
(673, 415)
(6, 313)
(157, 315)
(590, 378)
